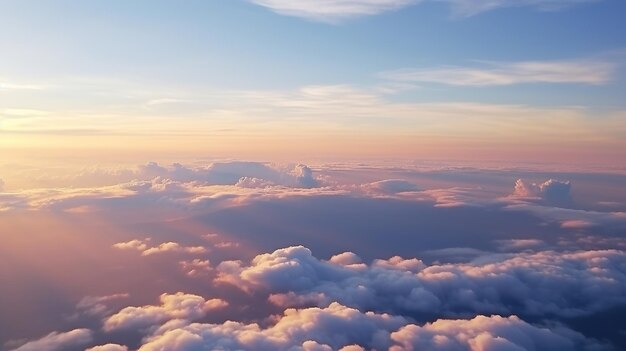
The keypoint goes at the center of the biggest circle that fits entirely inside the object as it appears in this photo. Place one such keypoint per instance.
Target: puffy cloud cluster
(177, 306)
(58, 341)
(342, 328)
(108, 347)
(552, 191)
(142, 246)
(483, 333)
(245, 174)
(335, 327)
(540, 284)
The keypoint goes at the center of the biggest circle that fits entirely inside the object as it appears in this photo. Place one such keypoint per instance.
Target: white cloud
(330, 328)
(173, 306)
(337, 10)
(332, 10)
(593, 72)
(57, 341)
(542, 283)
(466, 8)
(484, 333)
(142, 246)
(552, 191)
(108, 347)
(338, 327)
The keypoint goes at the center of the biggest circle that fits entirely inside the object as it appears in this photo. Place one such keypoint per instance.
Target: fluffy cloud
(551, 191)
(338, 327)
(58, 341)
(487, 334)
(108, 347)
(170, 246)
(173, 306)
(330, 328)
(539, 284)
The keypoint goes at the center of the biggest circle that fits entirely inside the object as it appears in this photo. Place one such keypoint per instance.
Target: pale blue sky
(89, 65)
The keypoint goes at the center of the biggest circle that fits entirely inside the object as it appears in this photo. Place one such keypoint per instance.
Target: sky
(312, 175)
(433, 79)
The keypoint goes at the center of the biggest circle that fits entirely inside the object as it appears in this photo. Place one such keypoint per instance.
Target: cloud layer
(539, 284)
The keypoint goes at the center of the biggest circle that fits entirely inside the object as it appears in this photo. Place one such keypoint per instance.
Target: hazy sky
(538, 80)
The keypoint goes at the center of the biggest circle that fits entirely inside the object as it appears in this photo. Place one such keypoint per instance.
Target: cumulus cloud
(500, 73)
(552, 191)
(335, 327)
(338, 327)
(484, 333)
(108, 347)
(544, 283)
(141, 245)
(196, 267)
(173, 306)
(57, 341)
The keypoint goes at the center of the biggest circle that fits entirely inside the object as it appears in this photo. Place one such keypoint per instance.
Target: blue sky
(89, 63)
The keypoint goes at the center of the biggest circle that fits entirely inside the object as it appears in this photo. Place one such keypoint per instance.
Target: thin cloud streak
(591, 72)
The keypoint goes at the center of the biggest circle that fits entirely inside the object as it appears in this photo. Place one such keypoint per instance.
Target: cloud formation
(142, 246)
(337, 10)
(592, 72)
(338, 327)
(332, 10)
(57, 341)
(551, 191)
(545, 283)
(108, 347)
(173, 306)
(484, 333)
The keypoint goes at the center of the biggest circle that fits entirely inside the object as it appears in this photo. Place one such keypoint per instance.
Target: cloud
(330, 328)
(97, 305)
(141, 245)
(173, 306)
(581, 71)
(467, 8)
(545, 283)
(196, 267)
(108, 347)
(1, 185)
(338, 327)
(332, 10)
(337, 10)
(484, 333)
(57, 341)
(391, 186)
(551, 191)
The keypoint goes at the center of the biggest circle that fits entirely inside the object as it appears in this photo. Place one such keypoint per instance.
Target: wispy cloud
(467, 8)
(332, 10)
(580, 71)
(337, 10)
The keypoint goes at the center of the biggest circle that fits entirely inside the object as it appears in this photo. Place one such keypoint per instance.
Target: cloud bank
(545, 283)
